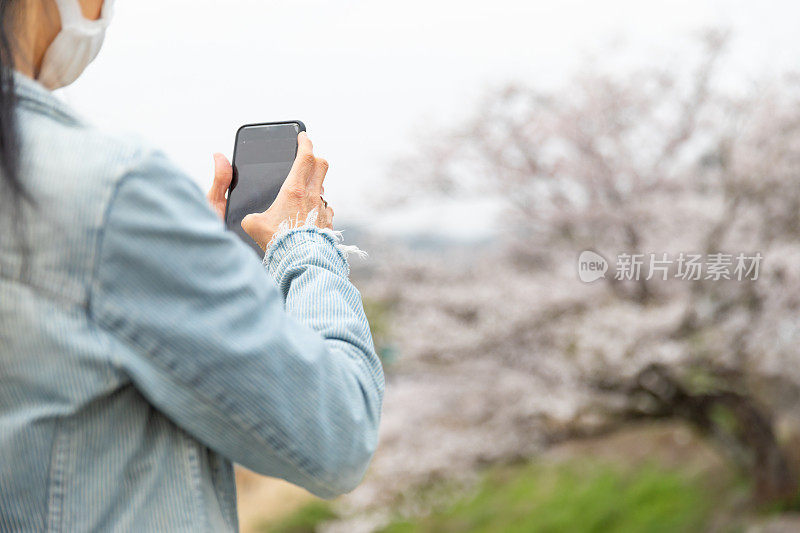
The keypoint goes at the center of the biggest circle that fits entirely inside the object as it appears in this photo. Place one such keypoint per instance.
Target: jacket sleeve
(283, 381)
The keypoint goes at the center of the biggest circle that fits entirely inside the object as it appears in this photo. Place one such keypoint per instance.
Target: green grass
(304, 520)
(573, 498)
(577, 496)
(379, 314)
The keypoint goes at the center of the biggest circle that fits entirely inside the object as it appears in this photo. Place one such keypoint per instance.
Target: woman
(142, 348)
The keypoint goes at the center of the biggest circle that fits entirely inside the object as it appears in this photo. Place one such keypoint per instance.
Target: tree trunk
(731, 419)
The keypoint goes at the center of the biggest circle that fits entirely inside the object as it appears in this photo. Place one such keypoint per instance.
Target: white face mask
(75, 46)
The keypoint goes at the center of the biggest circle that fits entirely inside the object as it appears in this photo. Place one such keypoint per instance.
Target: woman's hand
(299, 195)
(223, 174)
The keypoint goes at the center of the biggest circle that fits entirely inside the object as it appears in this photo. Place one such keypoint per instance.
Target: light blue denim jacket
(149, 348)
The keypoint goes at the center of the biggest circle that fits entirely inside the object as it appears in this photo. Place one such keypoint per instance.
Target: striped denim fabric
(144, 348)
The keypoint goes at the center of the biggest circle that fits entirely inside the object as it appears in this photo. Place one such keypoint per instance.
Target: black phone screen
(263, 156)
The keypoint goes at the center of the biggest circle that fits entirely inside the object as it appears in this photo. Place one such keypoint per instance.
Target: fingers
(303, 166)
(314, 169)
(308, 172)
(304, 143)
(318, 177)
(223, 174)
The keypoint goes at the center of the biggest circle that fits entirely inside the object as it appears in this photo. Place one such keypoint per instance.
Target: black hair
(9, 140)
(12, 190)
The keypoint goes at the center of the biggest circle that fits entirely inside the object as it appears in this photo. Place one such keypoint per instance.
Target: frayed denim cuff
(296, 244)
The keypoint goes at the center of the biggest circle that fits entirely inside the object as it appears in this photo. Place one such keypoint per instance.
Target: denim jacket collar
(31, 91)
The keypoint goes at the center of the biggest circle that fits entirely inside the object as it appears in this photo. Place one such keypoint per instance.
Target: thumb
(223, 174)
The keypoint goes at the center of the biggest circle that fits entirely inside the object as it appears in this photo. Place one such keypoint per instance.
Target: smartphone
(263, 155)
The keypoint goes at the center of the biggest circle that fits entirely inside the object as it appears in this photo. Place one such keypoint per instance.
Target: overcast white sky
(362, 74)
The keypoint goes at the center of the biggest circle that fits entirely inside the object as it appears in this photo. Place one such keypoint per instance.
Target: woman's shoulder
(76, 158)
(71, 166)
(61, 149)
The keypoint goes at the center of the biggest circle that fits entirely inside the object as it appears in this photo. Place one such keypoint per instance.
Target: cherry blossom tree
(504, 351)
